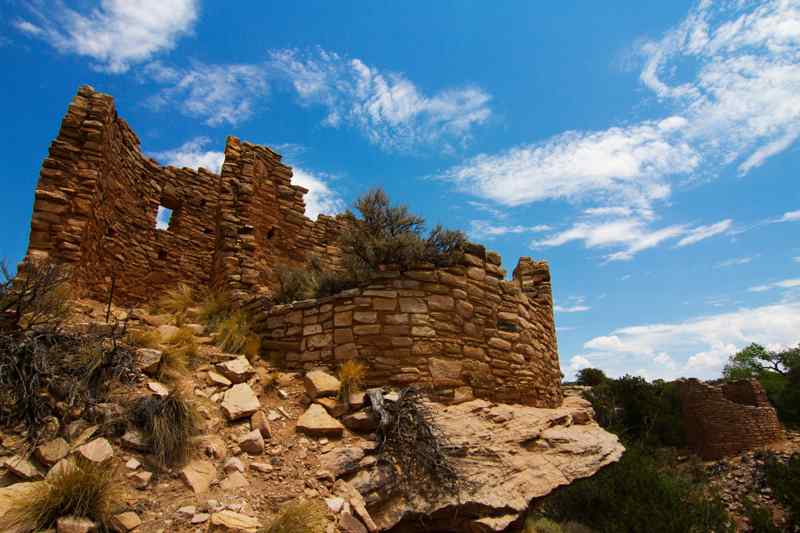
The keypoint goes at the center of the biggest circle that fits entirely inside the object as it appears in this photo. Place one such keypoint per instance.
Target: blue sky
(647, 150)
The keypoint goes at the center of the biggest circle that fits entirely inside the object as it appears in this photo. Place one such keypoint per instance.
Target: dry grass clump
(82, 489)
(302, 516)
(144, 339)
(174, 365)
(214, 307)
(177, 301)
(168, 425)
(233, 332)
(184, 339)
(351, 377)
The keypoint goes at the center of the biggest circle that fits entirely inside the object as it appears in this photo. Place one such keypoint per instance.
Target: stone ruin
(463, 330)
(728, 419)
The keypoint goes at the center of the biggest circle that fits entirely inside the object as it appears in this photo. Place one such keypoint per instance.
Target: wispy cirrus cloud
(388, 108)
(484, 229)
(783, 284)
(216, 94)
(727, 81)
(736, 261)
(114, 33)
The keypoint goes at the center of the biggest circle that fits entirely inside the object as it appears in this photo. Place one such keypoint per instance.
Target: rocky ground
(269, 438)
(742, 477)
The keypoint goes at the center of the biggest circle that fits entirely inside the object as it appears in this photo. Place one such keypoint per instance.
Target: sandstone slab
(236, 370)
(199, 474)
(319, 383)
(230, 521)
(239, 402)
(97, 451)
(318, 423)
(52, 451)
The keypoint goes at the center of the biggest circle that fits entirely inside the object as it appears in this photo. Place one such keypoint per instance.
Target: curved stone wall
(461, 330)
(728, 419)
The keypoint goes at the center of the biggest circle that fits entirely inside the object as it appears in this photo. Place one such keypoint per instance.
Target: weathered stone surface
(361, 422)
(260, 422)
(97, 451)
(341, 460)
(351, 524)
(235, 480)
(318, 423)
(215, 378)
(199, 474)
(234, 464)
(229, 521)
(22, 468)
(319, 383)
(75, 524)
(147, 360)
(512, 455)
(252, 442)
(239, 401)
(134, 440)
(237, 370)
(52, 451)
(127, 521)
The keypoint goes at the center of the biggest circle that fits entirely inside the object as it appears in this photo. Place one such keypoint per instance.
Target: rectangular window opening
(163, 217)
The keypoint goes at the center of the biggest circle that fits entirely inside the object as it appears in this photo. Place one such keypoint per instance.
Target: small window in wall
(271, 234)
(163, 217)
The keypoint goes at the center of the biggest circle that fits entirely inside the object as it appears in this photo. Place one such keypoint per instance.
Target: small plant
(233, 332)
(37, 297)
(296, 284)
(304, 516)
(174, 364)
(144, 339)
(81, 488)
(168, 425)
(784, 480)
(214, 308)
(351, 377)
(177, 301)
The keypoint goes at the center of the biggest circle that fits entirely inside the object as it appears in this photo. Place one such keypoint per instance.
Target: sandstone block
(252, 442)
(198, 475)
(318, 423)
(236, 370)
(97, 451)
(239, 401)
(319, 383)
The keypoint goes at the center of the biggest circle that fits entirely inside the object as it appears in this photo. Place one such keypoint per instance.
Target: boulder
(230, 521)
(260, 422)
(147, 360)
(97, 451)
(252, 442)
(319, 383)
(341, 461)
(510, 455)
(52, 451)
(127, 521)
(318, 423)
(239, 402)
(23, 468)
(199, 474)
(237, 370)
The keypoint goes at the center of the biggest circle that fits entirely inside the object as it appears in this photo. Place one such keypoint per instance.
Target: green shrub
(304, 516)
(81, 488)
(640, 412)
(637, 494)
(760, 518)
(591, 377)
(541, 525)
(168, 424)
(784, 480)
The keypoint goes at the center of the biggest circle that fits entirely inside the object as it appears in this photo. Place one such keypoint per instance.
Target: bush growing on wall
(380, 234)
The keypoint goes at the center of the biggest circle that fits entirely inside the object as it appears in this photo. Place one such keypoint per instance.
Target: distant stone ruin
(728, 419)
(463, 330)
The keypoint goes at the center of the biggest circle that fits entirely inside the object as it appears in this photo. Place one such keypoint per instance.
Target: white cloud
(213, 93)
(704, 232)
(28, 27)
(623, 165)
(577, 363)
(791, 216)
(114, 33)
(736, 261)
(727, 79)
(797, 259)
(578, 308)
(387, 107)
(487, 230)
(696, 347)
(320, 199)
(192, 154)
(785, 284)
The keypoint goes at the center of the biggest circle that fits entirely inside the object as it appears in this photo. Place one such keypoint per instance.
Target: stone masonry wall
(725, 420)
(462, 330)
(98, 196)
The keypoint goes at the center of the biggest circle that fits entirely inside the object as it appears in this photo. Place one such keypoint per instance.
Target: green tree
(591, 377)
(754, 360)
